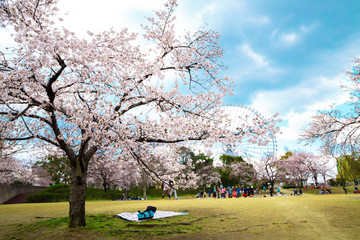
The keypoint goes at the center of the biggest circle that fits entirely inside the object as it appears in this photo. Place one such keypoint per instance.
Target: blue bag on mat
(145, 215)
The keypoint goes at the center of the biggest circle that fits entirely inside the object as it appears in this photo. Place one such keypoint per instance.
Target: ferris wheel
(250, 152)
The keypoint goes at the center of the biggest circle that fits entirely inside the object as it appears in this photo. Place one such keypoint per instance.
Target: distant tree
(57, 166)
(295, 168)
(318, 165)
(337, 130)
(270, 170)
(302, 165)
(235, 171)
(105, 170)
(348, 168)
(10, 170)
(184, 154)
(204, 168)
(227, 160)
(286, 155)
(242, 173)
(40, 177)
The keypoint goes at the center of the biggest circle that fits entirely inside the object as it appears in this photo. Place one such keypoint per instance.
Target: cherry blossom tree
(270, 170)
(104, 170)
(295, 167)
(88, 95)
(204, 170)
(57, 166)
(242, 173)
(318, 165)
(9, 170)
(14, 170)
(337, 130)
(40, 177)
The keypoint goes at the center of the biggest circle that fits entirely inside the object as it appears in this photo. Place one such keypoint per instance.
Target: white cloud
(289, 38)
(293, 37)
(297, 122)
(311, 95)
(297, 104)
(258, 59)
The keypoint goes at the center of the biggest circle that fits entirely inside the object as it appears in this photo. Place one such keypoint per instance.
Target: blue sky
(286, 56)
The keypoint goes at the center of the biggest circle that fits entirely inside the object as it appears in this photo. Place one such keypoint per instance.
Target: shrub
(57, 193)
(61, 192)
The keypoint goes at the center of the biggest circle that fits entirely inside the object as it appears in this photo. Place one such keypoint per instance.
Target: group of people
(356, 189)
(325, 191)
(230, 192)
(296, 192)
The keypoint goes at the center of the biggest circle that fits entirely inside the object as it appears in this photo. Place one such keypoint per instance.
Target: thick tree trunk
(77, 199)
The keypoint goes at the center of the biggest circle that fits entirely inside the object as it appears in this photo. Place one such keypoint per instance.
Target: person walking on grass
(172, 188)
(166, 190)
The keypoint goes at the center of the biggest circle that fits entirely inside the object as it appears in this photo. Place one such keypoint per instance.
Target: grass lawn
(311, 216)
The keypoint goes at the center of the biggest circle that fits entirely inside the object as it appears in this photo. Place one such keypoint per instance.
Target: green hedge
(61, 193)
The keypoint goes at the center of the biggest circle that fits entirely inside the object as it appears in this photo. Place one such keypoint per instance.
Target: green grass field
(311, 216)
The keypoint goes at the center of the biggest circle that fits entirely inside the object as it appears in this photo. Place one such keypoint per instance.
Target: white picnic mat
(157, 215)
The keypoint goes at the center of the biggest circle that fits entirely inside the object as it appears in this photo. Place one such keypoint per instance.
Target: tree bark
(77, 199)
(105, 187)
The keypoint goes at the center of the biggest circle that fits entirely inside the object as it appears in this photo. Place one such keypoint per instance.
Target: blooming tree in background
(13, 170)
(40, 177)
(295, 167)
(57, 167)
(318, 166)
(9, 170)
(339, 131)
(270, 170)
(242, 173)
(88, 95)
(203, 169)
(105, 170)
